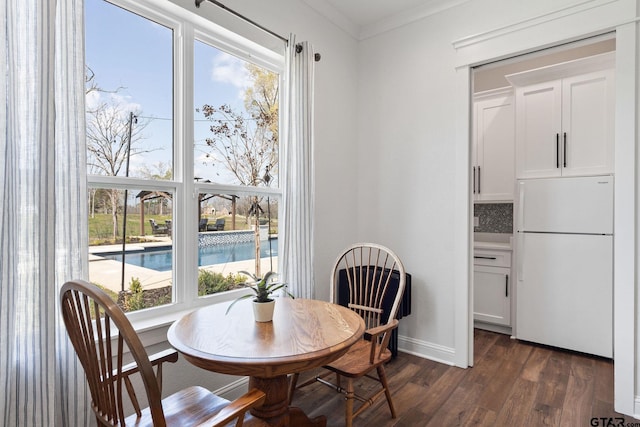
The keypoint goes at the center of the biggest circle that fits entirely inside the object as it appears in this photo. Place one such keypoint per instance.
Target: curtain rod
(244, 18)
(255, 24)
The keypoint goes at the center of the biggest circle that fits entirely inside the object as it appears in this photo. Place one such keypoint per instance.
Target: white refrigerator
(564, 263)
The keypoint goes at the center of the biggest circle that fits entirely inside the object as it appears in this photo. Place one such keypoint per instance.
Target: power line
(155, 118)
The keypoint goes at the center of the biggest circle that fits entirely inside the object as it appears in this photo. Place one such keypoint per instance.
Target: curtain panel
(297, 155)
(42, 201)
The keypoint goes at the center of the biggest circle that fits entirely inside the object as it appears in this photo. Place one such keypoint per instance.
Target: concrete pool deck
(108, 273)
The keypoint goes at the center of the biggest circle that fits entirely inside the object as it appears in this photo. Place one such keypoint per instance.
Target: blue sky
(132, 53)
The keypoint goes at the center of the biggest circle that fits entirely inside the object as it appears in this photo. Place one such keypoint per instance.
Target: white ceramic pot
(263, 311)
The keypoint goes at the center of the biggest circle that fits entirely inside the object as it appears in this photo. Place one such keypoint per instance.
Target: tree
(110, 127)
(248, 146)
(261, 99)
(91, 85)
(159, 170)
(92, 88)
(246, 143)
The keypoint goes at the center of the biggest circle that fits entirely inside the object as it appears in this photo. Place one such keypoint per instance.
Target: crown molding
(430, 7)
(335, 16)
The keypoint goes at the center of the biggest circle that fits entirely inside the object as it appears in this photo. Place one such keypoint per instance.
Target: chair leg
(383, 380)
(293, 381)
(349, 394)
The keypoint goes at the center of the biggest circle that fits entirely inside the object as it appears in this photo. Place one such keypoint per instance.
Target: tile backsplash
(494, 217)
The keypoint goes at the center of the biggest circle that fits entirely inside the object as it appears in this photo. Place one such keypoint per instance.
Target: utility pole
(132, 117)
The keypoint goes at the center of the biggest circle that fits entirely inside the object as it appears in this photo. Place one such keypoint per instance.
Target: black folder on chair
(405, 304)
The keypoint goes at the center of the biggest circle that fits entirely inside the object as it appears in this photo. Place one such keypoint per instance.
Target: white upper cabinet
(494, 138)
(588, 124)
(538, 123)
(565, 119)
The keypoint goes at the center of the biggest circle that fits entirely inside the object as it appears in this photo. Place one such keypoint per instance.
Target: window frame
(188, 27)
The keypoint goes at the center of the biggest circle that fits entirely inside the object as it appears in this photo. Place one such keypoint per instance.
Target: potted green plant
(263, 288)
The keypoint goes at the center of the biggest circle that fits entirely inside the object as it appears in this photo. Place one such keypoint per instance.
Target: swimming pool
(161, 259)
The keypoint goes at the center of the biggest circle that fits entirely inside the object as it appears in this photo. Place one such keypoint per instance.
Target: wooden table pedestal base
(275, 409)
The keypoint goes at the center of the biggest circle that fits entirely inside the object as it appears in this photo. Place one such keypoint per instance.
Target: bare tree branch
(92, 86)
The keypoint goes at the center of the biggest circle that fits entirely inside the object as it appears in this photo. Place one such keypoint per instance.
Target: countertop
(497, 241)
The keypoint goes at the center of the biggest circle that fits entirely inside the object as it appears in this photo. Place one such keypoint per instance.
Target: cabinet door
(495, 134)
(588, 124)
(492, 295)
(538, 126)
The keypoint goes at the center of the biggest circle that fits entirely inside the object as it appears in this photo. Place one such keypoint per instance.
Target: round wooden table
(304, 334)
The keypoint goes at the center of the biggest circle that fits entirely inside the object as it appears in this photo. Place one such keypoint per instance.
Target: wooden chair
(374, 278)
(101, 334)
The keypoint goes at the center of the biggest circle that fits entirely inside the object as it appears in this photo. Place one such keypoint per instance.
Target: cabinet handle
(474, 180)
(478, 179)
(557, 150)
(484, 257)
(565, 150)
(506, 286)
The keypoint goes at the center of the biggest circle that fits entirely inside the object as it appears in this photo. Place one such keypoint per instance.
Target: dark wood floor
(512, 384)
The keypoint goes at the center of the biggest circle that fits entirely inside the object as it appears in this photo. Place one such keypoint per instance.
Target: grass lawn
(101, 226)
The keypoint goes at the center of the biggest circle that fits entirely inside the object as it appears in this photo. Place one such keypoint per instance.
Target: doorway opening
(494, 179)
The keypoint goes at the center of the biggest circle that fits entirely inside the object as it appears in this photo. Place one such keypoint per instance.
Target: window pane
(144, 279)
(236, 120)
(228, 240)
(129, 93)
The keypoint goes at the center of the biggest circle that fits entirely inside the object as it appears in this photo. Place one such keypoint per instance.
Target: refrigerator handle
(520, 235)
(557, 150)
(564, 155)
(520, 257)
(520, 218)
(478, 179)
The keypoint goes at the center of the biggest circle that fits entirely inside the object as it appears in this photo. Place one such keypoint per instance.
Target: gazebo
(150, 195)
(234, 200)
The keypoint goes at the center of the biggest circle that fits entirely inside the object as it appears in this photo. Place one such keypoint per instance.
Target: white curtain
(42, 208)
(297, 182)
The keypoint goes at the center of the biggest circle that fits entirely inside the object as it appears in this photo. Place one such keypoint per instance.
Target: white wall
(407, 168)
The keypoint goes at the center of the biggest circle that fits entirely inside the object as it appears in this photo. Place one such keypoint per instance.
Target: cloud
(228, 69)
(93, 99)
(115, 101)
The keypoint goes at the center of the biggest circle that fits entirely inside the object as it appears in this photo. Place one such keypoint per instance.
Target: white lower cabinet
(492, 287)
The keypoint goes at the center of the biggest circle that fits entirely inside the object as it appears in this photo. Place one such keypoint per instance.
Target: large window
(182, 156)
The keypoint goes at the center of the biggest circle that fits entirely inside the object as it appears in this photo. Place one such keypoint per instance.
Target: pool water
(162, 259)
